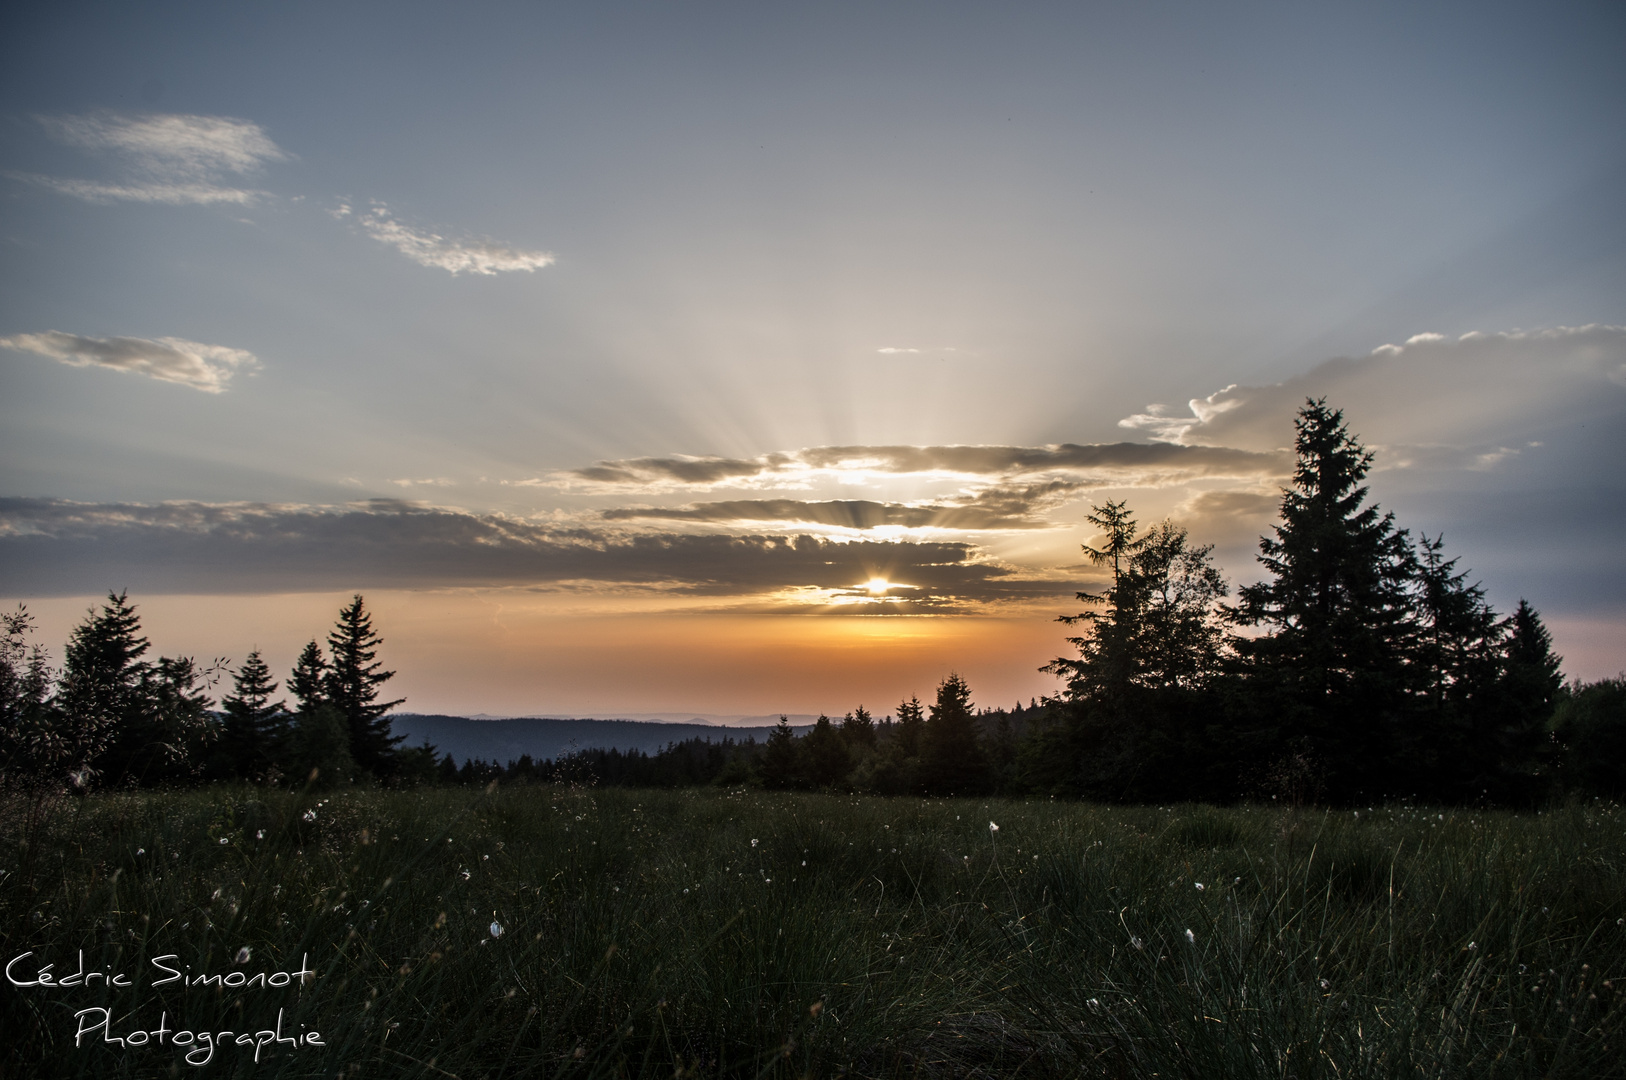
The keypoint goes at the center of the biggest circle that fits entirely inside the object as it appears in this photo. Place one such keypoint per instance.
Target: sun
(877, 586)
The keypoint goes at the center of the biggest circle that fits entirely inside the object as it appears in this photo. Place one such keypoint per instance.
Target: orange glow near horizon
(512, 652)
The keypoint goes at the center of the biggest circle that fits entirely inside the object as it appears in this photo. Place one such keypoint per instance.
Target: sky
(731, 359)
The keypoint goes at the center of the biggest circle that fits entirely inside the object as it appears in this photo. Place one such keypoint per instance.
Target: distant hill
(503, 741)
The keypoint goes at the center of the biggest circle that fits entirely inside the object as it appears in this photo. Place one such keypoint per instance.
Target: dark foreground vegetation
(558, 931)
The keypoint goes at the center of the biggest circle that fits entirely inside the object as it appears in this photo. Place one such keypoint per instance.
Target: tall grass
(555, 931)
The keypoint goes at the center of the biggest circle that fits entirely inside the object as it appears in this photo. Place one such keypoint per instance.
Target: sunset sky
(732, 359)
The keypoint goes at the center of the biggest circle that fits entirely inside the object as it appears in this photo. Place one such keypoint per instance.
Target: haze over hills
(503, 740)
(728, 720)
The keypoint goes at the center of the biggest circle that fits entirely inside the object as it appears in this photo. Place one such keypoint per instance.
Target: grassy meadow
(581, 932)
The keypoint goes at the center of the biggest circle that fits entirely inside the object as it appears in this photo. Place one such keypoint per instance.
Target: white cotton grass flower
(496, 928)
(225, 840)
(753, 842)
(310, 815)
(1137, 942)
(243, 955)
(1199, 886)
(992, 827)
(1191, 938)
(464, 874)
(259, 834)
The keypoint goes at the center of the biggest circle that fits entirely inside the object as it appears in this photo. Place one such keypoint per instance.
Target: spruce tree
(102, 666)
(911, 722)
(152, 718)
(825, 754)
(1333, 665)
(254, 726)
(1526, 696)
(781, 758)
(1107, 660)
(858, 729)
(351, 686)
(40, 749)
(308, 683)
(1449, 748)
(951, 757)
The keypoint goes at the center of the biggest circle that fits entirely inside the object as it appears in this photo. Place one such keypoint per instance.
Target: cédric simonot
(97, 1019)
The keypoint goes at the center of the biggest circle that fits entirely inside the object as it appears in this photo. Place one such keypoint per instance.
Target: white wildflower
(310, 815)
(496, 928)
(464, 874)
(243, 954)
(753, 842)
(1190, 937)
(1199, 886)
(992, 827)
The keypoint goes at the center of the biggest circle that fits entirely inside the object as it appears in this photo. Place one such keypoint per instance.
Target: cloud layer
(55, 547)
(190, 363)
(1455, 402)
(471, 256)
(163, 158)
(1144, 462)
(997, 507)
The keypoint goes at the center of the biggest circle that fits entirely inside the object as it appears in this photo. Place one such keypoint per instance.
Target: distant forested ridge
(545, 738)
(1364, 666)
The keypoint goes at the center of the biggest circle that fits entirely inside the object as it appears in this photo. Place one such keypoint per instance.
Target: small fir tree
(308, 683)
(911, 723)
(254, 727)
(781, 764)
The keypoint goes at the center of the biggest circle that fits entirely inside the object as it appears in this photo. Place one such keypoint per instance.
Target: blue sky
(589, 311)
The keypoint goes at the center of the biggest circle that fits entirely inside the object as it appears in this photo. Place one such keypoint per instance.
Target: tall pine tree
(351, 686)
(1337, 610)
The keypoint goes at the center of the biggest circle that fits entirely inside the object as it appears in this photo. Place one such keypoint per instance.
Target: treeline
(1364, 666)
(110, 717)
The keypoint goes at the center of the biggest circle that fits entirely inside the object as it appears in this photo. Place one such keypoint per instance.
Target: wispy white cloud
(890, 350)
(174, 143)
(163, 158)
(96, 191)
(190, 363)
(473, 256)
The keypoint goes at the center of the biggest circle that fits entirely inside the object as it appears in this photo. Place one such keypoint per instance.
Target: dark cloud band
(53, 547)
(1159, 461)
